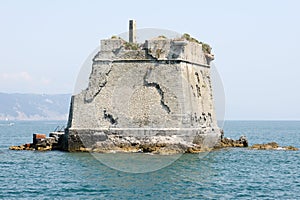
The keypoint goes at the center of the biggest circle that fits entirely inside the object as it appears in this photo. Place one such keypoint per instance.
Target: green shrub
(205, 47)
(162, 37)
(189, 38)
(115, 37)
(131, 46)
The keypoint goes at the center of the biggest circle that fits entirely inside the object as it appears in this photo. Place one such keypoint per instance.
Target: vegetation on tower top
(205, 47)
(131, 46)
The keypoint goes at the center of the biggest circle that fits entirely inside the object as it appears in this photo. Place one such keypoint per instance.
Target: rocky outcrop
(43, 143)
(31, 147)
(22, 147)
(243, 142)
(272, 146)
(227, 142)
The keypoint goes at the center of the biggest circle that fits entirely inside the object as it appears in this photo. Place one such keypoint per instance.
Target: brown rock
(47, 148)
(268, 146)
(193, 150)
(82, 149)
(148, 148)
(227, 142)
(21, 147)
(272, 146)
(291, 148)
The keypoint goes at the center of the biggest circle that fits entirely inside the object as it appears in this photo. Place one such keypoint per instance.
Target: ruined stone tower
(161, 87)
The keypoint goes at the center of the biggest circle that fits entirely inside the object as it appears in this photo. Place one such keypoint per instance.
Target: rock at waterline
(42, 143)
(227, 142)
(272, 146)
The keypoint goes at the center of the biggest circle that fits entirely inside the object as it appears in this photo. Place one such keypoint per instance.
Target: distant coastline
(34, 107)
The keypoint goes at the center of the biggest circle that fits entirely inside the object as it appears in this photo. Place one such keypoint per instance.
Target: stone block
(37, 137)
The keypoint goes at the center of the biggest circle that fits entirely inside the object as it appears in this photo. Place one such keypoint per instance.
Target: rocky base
(164, 145)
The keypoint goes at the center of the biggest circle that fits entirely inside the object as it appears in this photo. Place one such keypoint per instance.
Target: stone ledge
(164, 145)
(164, 61)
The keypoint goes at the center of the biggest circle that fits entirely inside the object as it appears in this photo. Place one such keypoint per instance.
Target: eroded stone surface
(164, 145)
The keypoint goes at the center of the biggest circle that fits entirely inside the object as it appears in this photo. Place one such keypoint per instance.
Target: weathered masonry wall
(143, 94)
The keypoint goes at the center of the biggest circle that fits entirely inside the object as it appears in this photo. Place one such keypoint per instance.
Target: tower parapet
(176, 49)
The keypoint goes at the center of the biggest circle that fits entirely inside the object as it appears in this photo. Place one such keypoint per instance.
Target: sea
(236, 173)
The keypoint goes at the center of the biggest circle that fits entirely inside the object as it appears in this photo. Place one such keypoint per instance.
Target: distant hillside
(34, 106)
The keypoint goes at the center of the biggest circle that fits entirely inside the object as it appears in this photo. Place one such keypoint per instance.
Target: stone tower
(159, 88)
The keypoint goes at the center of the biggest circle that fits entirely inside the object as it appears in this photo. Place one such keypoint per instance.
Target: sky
(256, 45)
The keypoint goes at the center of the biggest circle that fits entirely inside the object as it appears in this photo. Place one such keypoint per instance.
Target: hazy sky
(256, 44)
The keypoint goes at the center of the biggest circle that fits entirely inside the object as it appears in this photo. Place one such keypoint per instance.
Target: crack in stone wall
(159, 90)
(110, 118)
(93, 91)
(70, 119)
(197, 85)
(149, 55)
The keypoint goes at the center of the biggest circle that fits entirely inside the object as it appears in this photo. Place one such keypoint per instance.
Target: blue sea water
(224, 174)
